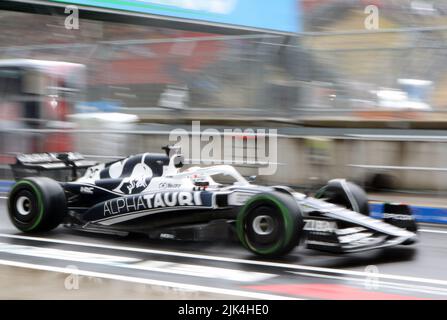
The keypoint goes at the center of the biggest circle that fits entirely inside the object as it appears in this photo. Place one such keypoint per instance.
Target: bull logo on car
(138, 180)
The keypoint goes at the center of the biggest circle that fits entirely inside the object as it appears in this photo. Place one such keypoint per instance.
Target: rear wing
(59, 166)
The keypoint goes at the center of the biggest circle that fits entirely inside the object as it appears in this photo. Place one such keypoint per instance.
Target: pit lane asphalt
(226, 268)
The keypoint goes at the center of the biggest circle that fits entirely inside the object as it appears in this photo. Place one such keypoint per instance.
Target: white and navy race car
(152, 194)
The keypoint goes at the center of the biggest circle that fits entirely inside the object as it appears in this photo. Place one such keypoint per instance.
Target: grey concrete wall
(298, 168)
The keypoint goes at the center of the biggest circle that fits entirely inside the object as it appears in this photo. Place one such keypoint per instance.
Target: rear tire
(37, 204)
(270, 224)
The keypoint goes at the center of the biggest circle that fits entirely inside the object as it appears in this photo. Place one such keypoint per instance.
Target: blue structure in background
(98, 106)
(5, 186)
(422, 214)
(278, 15)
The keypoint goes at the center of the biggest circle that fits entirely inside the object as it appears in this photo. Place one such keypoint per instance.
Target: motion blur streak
(236, 293)
(331, 291)
(352, 89)
(232, 260)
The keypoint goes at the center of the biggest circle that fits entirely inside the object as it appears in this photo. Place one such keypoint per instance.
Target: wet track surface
(417, 271)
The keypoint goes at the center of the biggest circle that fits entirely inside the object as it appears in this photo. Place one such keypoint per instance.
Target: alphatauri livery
(152, 194)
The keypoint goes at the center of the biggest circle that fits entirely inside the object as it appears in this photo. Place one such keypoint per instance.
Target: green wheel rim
(288, 224)
(39, 202)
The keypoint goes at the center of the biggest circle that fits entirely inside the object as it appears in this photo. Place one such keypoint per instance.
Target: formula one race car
(151, 194)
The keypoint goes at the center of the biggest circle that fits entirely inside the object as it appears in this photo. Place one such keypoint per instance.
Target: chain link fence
(147, 69)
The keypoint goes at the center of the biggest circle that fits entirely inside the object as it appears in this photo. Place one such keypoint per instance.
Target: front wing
(335, 229)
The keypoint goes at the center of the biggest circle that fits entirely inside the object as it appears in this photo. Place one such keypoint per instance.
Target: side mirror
(251, 178)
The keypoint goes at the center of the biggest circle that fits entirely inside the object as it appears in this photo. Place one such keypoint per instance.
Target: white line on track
(233, 260)
(122, 261)
(184, 286)
(433, 231)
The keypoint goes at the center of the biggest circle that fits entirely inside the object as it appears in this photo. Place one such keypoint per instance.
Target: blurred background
(368, 105)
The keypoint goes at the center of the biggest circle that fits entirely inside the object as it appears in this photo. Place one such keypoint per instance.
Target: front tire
(346, 194)
(37, 204)
(270, 224)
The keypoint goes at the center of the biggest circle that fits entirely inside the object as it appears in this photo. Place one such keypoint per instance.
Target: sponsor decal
(166, 185)
(138, 180)
(35, 158)
(403, 217)
(47, 157)
(87, 190)
(368, 241)
(320, 226)
(167, 236)
(151, 201)
(360, 238)
(239, 198)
